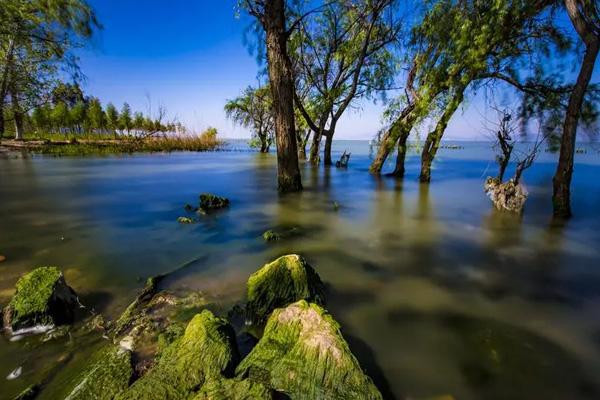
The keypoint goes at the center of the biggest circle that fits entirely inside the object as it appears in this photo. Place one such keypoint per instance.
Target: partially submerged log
(344, 160)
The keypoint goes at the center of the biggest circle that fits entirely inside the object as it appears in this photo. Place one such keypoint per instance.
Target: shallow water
(436, 292)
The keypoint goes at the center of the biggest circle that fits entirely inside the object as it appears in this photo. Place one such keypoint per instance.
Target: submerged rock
(108, 374)
(205, 351)
(303, 354)
(190, 208)
(42, 298)
(271, 236)
(282, 282)
(185, 220)
(210, 202)
(506, 196)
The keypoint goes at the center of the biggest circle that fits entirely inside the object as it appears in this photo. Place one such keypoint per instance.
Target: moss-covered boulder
(303, 354)
(271, 236)
(42, 298)
(108, 374)
(206, 351)
(185, 220)
(282, 282)
(234, 389)
(209, 202)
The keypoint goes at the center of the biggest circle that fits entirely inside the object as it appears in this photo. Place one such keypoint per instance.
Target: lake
(437, 293)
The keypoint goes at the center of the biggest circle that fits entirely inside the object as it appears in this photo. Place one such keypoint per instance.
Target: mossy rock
(108, 374)
(282, 282)
(303, 355)
(271, 236)
(185, 220)
(210, 202)
(206, 351)
(42, 298)
(228, 389)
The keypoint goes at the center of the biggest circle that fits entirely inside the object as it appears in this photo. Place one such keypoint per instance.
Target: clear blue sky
(190, 56)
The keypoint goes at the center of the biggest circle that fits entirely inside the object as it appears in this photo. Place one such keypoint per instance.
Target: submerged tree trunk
(561, 198)
(282, 90)
(432, 143)
(401, 156)
(329, 142)
(315, 147)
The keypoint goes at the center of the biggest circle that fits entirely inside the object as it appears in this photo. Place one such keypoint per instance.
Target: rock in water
(271, 236)
(108, 374)
(227, 389)
(42, 298)
(210, 202)
(282, 282)
(303, 354)
(506, 196)
(206, 351)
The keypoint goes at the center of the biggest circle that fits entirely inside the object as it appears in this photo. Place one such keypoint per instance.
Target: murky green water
(436, 292)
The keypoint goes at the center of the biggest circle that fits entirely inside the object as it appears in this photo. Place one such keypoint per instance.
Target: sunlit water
(436, 292)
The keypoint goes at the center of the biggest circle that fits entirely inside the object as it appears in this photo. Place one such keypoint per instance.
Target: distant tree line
(70, 112)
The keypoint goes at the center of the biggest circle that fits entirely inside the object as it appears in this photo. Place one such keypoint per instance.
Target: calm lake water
(437, 293)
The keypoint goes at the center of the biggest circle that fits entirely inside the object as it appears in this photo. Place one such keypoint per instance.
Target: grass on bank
(95, 144)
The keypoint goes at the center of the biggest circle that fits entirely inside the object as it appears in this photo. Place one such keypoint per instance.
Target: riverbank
(11, 148)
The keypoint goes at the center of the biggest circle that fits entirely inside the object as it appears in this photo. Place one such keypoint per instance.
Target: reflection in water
(436, 292)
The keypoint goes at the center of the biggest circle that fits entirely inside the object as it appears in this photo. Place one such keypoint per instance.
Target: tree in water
(340, 55)
(271, 15)
(254, 110)
(585, 17)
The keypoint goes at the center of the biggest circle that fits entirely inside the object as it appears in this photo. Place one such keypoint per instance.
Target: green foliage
(254, 110)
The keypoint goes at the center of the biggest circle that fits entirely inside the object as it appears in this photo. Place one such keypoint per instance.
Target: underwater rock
(271, 236)
(506, 196)
(108, 374)
(185, 220)
(190, 208)
(42, 298)
(303, 354)
(206, 351)
(210, 202)
(282, 282)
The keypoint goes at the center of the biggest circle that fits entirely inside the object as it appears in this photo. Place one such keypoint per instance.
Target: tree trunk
(561, 198)
(432, 143)
(329, 142)
(316, 142)
(17, 113)
(1, 118)
(401, 156)
(282, 90)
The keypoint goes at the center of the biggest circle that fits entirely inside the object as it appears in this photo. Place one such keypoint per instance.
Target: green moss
(227, 389)
(29, 393)
(108, 375)
(205, 351)
(209, 202)
(279, 283)
(303, 354)
(42, 298)
(135, 310)
(271, 236)
(185, 220)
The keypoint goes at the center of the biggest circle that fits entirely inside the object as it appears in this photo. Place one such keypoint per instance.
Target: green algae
(108, 374)
(226, 389)
(129, 317)
(282, 282)
(303, 354)
(205, 351)
(42, 298)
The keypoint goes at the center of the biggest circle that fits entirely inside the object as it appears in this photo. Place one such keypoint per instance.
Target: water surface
(437, 293)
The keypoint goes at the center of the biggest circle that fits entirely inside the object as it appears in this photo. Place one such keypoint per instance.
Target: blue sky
(190, 56)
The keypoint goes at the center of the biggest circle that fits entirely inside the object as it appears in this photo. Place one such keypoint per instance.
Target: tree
(271, 15)
(78, 115)
(138, 121)
(96, 119)
(112, 118)
(340, 55)
(125, 122)
(60, 117)
(585, 17)
(35, 37)
(254, 110)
